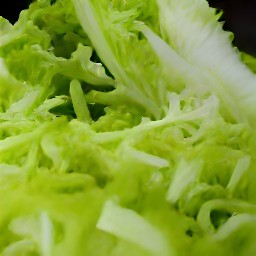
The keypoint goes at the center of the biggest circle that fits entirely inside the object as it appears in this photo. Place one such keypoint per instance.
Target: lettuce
(126, 128)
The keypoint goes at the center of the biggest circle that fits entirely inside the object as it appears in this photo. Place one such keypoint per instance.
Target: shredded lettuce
(126, 128)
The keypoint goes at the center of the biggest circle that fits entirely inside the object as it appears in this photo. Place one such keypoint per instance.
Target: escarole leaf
(126, 128)
(193, 32)
(138, 80)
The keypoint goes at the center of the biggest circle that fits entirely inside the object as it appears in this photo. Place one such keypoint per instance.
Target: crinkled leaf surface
(126, 128)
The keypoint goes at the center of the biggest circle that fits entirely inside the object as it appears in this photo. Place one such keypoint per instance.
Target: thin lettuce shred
(126, 128)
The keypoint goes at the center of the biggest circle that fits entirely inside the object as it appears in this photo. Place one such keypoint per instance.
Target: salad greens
(126, 128)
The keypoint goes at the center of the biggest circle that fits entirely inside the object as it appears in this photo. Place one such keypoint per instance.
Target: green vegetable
(126, 128)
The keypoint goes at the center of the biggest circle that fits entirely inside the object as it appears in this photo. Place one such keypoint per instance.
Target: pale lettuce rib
(47, 235)
(129, 225)
(79, 103)
(239, 171)
(185, 175)
(194, 33)
(233, 224)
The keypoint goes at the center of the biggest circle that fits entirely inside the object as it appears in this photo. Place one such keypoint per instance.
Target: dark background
(10, 9)
(239, 17)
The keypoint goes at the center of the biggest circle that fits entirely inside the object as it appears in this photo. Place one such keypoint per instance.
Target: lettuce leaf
(126, 128)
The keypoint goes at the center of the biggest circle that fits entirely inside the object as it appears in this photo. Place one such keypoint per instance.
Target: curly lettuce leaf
(124, 133)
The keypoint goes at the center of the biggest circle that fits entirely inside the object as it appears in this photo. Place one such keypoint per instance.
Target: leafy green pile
(126, 128)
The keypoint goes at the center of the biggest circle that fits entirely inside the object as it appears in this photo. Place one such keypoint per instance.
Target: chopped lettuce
(126, 128)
